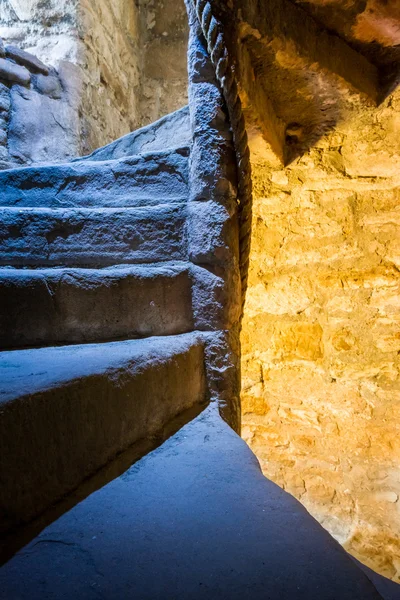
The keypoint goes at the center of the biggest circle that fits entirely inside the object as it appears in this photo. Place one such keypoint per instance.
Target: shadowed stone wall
(321, 337)
(122, 65)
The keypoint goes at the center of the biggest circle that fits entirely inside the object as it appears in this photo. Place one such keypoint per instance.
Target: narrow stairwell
(94, 258)
(120, 297)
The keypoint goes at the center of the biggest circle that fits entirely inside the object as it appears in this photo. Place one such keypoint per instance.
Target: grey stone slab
(5, 101)
(67, 411)
(213, 235)
(193, 520)
(92, 237)
(171, 131)
(148, 179)
(26, 59)
(14, 73)
(42, 129)
(59, 306)
(49, 85)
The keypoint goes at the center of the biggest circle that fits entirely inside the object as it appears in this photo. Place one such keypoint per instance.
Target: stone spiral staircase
(94, 258)
(119, 313)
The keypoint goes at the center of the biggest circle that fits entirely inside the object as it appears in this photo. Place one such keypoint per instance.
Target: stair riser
(60, 307)
(51, 440)
(91, 237)
(138, 181)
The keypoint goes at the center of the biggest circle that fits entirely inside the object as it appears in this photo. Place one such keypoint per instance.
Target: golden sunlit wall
(321, 331)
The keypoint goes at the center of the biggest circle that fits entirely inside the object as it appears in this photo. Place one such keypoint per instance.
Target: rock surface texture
(182, 524)
(320, 338)
(37, 121)
(96, 255)
(144, 238)
(119, 65)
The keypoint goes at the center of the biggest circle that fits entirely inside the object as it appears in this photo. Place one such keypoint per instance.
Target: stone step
(91, 237)
(67, 411)
(171, 131)
(146, 179)
(194, 520)
(63, 306)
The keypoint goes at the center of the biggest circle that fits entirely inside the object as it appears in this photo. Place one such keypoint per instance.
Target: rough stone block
(216, 298)
(49, 85)
(45, 307)
(42, 129)
(213, 232)
(26, 59)
(2, 49)
(91, 237)
(5, 100)
(4, 157)
(149, 179)
(67, 411)
(212, 160)
(13, 73)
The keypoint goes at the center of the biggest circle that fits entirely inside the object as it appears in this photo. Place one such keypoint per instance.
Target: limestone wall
(38, 113)
(122, 64)
(321, 331)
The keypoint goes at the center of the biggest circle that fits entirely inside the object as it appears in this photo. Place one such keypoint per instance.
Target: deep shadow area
(17, 539)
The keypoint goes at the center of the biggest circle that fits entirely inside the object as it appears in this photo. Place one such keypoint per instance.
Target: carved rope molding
(224, 69)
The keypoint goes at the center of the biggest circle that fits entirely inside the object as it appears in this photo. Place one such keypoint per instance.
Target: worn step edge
(62, 306)
(168, 132)
(65, 412)
(150, 175)
(57, 306)
(92, 237)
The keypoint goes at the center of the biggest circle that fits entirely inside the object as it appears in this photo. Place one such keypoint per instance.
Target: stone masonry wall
(37, 111)
(121, 64)
(321, 330)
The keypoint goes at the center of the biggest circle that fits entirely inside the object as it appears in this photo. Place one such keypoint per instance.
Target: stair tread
(170, 131)
(136, 180)
(71, 305)
(92, 236)
(200, 502)
(27, 372)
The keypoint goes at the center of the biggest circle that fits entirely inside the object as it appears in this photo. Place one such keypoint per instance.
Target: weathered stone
(2, 49)
(91, 237)
(13, 73)
(41, 129)
(144, 180)
(43, 307)
(5, 101)
(320, 338)
(60, 401)
(104, 55)
(171, 131)
(49, 85)
(26, 59)
(4, 156)
(213, 233)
